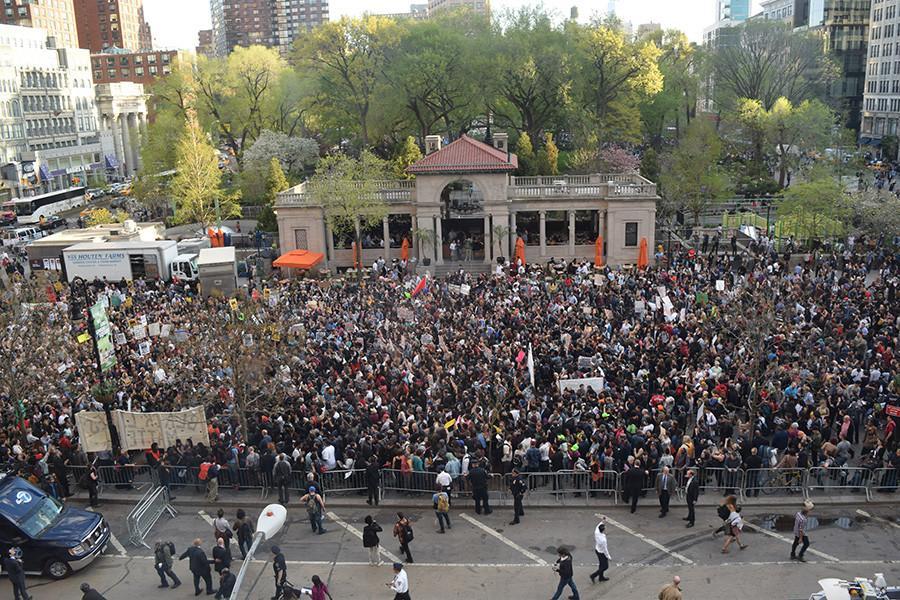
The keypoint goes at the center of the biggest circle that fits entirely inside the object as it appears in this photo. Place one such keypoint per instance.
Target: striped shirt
(799, 524)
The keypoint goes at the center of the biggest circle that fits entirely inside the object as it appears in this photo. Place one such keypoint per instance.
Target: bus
(30, 210)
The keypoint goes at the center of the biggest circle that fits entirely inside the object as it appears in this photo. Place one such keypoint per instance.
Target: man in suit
(665, 487)
(691, 493)
(199, 566)
(226, 584)
(633, 483)
(12, 564)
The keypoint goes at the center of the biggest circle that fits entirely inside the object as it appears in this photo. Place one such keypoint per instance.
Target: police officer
(479, 478)
(518, 488)
(279, 567)
(12, 564)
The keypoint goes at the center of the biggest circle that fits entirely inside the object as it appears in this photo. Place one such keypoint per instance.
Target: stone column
(488, 242)
(510, 244)
(386, 232)
(117, 143)
(329, 240)
(543, 230)
(438, 241)
(571, 233)
(126, 142)
(138, 137)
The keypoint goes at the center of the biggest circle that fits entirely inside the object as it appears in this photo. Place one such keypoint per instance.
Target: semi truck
(218, 270)
(114, 261)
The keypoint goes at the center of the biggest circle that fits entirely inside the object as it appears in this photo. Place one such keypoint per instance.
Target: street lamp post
(270, 522)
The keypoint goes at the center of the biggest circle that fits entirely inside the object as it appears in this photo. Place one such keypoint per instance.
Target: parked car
(52, 222)
(7, 217)
(118, 202)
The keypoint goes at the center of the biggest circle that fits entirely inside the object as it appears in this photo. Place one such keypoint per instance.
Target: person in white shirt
(328, 457)
(444, 480)
(400, 583)
(602, 549)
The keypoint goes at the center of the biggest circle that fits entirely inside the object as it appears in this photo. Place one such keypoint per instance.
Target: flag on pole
(530, 365)
(420, 287)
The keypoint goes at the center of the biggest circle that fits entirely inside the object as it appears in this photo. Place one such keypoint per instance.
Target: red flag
(51, 294)
(419, 286)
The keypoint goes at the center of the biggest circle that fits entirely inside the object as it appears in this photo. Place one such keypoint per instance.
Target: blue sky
(175, 22)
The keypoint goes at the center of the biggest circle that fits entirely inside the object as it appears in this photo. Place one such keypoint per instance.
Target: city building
(729, 15)
(56, 17)
(732, 10)
(778, 10)
(645, 29)
(48, 116)
(115, 64)
(881, 99)
(482, 7)
(416, 11)
(205, 43)
(844, 25)
(103, 24)
(122, 109)
(466, 193)
(272, 23)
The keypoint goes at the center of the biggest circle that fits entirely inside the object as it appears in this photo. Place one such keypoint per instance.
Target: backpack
(407, 533)
(312, 505)
(204, 471)
(443, 503)
(723, 512)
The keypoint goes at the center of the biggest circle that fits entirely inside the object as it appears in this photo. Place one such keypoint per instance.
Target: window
(631, 234)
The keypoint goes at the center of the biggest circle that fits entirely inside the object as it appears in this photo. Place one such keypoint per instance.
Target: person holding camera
(12, 564)
(371, 541)
(564, 568)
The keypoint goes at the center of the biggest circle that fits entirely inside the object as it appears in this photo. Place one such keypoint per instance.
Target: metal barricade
(883, 481)
(146, 513)
(337, 482)
(827, 479)
(560, 487)
(722, 481)
(771, 481)
(413, 482)
(604, 483)
(123, 478)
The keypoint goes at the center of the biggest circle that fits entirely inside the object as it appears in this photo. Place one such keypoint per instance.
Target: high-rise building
(272, 23)
(103, 24)
(645, 29)
(116, 65)
(778, 10)
(48, 115)
(416, 11)
(205, 43)
(844, 26)
(56, 17)
(881, 100)
(733, 10)
(482, 7)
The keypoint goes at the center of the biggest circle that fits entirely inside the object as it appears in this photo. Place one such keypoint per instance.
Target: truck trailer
(114, 261)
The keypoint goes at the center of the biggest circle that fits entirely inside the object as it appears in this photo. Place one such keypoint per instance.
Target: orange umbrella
(404, 250)
(598, 252)
(643, 261)
(520, 250)
(356, 257)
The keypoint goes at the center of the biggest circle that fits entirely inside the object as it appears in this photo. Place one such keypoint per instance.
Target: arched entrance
(462, 222)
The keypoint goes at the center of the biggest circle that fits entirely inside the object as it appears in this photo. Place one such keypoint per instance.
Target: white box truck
(218, 270)
(114, 261)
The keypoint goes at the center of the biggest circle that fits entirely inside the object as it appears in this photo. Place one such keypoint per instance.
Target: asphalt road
(484, 557)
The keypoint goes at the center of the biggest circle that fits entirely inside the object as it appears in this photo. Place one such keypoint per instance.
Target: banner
(595, 383)
(93, 431)
(137, 431)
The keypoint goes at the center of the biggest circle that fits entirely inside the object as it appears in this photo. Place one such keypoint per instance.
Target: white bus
(30, 210)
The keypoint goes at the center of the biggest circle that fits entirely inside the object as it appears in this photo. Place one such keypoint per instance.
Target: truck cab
(55, 539)
(184, 267)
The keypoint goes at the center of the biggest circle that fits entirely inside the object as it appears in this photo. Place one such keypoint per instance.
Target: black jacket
(564, 567)
(13, 568)
(282, 471)
(370, 535)
(92, 594)
(226, 585)
(633, 480)
(373, 474)
(517, 486)
(479, 478)
(198, 562)
(279, 566)
(692, 490)
(223, 554)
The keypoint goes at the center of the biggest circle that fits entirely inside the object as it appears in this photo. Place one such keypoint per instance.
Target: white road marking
(113, 539)
(790, 541)
(526, 553)
(879, 519)
(354, 531)
(209, 520)
(644, 538)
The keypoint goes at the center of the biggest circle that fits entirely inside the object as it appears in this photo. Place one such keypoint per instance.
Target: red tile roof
(466, 155)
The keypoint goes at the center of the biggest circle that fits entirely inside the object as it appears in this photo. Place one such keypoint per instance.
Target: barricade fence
(555, 488)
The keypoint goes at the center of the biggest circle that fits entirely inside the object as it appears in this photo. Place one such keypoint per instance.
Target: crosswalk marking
(526, 553)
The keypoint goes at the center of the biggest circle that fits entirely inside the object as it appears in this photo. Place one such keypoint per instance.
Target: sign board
(93, 431)
(464, 289)
(893, 411)
(595, 383)
(106, 350)
(137, 431)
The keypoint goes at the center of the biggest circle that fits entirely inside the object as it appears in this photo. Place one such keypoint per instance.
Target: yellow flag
(83, 338)
(128, 302)
(449, 424)
(233, 303)
(266, 293)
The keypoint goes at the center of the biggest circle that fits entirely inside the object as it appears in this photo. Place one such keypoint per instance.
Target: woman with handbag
(403, 531)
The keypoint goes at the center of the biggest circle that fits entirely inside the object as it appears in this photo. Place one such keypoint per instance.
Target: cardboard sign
(153, 329)
(720, 285)
(138, 332)
(137, 431)
(595, 383)
(93, 431)
(464, 289)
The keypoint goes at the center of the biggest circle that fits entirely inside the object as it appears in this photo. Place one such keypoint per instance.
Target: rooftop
(466, 155)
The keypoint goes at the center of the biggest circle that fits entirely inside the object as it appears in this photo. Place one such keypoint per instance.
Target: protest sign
(464, 289)
(153, 329)
(137, 431)
(595, 383)
(720, 285)
(93, 431)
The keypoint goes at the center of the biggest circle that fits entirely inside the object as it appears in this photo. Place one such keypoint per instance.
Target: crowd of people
(706, 360)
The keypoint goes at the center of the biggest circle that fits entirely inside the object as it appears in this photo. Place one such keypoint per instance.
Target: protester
(734, 525)
(671, 591)
(315, 509)
(601, 548)
(221, 555)
(319, 590)
(371, 541)
(162, 554)
(243, 527)
(279, 570)
(801, 522)
(89, 593)
(441, 502)
(403, 531)
(227, 580)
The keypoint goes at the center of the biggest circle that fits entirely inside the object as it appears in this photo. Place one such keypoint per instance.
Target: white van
(22, 235)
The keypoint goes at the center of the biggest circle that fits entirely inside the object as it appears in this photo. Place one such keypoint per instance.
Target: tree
(876, 212)
(692, 179)
(295, 155)
(650, 164)
(615, 73)
(348, 190)
(676, 102)
(525, 153)
(346, 58)
(796, 130)
(766, 60)
(408, 154)
(616, 159)
(196, 186)
(426, 238)
(548, 157)
(103, 216)
(501, 233)
(814, 209)
(275, 182)
(533, 68)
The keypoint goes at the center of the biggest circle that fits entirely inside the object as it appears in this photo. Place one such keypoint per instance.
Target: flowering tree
(616, 159)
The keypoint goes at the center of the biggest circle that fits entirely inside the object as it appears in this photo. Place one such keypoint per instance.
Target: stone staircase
(448, 268)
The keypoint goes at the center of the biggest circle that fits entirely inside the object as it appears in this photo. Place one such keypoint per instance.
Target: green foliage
(813, 210)
(275, 182)
(408, 154)
(196, 188)
(876, 212)
(548, 157)
(889, 146)
(675, 104)
(650, 164)
(103, 216)
(692, 179)
(525, 152)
